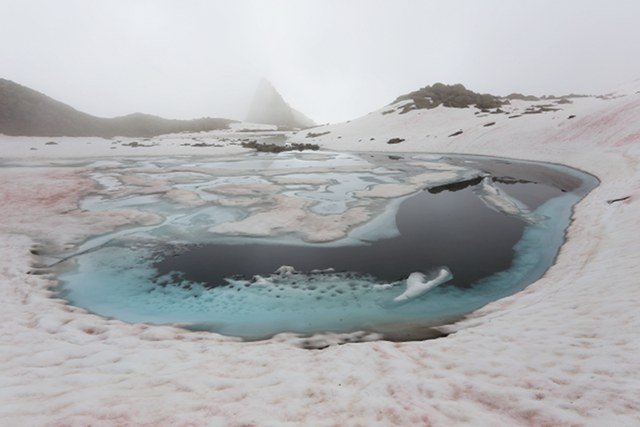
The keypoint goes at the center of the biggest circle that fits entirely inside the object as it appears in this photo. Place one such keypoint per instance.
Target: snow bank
(562, 352)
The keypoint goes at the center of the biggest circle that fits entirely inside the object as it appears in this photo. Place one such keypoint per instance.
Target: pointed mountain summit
(268, 107)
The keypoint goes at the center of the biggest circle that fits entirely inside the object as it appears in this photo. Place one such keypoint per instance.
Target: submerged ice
(262, 204)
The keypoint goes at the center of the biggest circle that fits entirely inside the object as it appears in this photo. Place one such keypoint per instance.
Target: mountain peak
(268, 107)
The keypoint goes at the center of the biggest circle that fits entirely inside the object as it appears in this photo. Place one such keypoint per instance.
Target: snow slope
(563, 352)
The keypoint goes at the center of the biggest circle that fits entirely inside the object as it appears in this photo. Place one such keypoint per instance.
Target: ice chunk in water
(419, 284)
(285, 270)
(498, 200)
(260, 281)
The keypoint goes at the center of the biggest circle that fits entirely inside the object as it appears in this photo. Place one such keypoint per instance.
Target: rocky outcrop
(453, 96)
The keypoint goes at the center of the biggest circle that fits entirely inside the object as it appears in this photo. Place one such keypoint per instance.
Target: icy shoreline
(562, 352)
(130, 274)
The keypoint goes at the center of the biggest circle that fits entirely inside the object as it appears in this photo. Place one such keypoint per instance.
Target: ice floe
(501, 201)
(418, 284)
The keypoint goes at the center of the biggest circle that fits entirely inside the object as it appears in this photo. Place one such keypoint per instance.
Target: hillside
(440, 117)
(26, 112)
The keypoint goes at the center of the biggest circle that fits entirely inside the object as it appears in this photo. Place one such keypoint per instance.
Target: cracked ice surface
(308, 198)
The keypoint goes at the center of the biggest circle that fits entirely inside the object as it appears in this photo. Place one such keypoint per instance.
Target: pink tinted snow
(561, 353)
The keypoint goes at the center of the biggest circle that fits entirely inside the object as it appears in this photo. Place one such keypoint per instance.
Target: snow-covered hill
(524, 123)
(563, 352)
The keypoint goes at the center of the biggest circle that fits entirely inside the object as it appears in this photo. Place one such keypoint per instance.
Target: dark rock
(315, 135)
(621, 199)
(537, 109)
(452, 96)
(522, 97)
(456, 186)
(273, 148)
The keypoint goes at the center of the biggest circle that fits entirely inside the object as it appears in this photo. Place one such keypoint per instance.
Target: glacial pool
(309, 242)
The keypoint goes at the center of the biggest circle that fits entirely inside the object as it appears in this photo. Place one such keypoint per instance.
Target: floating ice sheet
(500, 200)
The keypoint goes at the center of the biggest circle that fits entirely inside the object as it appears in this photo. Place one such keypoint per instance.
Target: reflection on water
(451, 228)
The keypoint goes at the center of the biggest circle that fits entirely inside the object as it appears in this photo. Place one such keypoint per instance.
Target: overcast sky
(332, 60)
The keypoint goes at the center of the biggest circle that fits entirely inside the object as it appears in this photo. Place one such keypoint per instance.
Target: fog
(332, 60)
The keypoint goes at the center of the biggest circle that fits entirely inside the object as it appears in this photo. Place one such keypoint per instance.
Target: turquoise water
(424, 258)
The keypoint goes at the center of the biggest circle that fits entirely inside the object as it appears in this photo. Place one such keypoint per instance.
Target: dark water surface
(450, 228)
